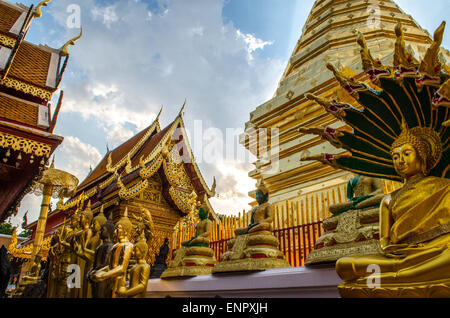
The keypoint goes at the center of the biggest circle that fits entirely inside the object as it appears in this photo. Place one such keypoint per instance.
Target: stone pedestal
(252, 252)
(353, 233)
(191, 261)
(294, 282)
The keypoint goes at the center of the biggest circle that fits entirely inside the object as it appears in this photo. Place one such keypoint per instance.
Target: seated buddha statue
(254, 247)
(202, 230)
(362, 192)
(195, 257)
(414, 228)
(138, 273)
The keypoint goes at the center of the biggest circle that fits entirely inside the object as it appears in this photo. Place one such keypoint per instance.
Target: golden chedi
(254, 247)
(195, 257)
(353, 229)
(400, 135)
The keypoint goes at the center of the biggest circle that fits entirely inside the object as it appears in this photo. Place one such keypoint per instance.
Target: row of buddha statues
(405, 233)
(93, 257)
(253, 248)
(110, 258)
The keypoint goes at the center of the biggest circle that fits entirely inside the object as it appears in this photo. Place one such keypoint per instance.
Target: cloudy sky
(224, 56)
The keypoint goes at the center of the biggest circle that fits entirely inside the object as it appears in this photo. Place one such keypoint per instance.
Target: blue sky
(224, 56)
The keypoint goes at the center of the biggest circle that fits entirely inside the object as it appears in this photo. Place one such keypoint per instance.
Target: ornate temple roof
(31, 69)
(119, 154)
(125, 170)
(29, 75)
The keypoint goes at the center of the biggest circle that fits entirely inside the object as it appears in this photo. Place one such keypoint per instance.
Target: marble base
(294, 282)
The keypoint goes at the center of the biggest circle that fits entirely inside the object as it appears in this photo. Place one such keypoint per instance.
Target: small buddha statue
(53, 262)
(262, 215)
(68, 256)
(353, 229)
(87, 251)
(160, 260)
(414, 228)
(254, 247)
(120, 256)
(101, 259)
(202, 230)
(82, 238)
(35, 269)
(362, 192)
(139, 273)
(195, 257)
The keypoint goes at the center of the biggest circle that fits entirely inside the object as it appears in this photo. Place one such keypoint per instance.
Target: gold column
(40, 228)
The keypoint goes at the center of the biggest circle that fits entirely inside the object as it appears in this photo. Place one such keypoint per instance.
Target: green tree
(6, 228)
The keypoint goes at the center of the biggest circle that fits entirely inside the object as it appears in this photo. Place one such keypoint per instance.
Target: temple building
(29, 75)
(154, 170)
(329, 36)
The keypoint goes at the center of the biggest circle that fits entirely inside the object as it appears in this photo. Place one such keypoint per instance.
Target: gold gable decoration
(181, 199)
(123, 162)
(28, 146)
(135, 190)
(26, 88)
(7, 41)
(26, 250)
(77, 200)
(149, 171)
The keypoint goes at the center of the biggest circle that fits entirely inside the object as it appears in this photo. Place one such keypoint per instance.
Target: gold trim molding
(7, 41)
(28, 146)
(26, 88)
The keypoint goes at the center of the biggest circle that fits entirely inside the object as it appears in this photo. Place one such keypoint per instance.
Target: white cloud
(108, 14)
(252, 42)
(76, 157)
(130, 62)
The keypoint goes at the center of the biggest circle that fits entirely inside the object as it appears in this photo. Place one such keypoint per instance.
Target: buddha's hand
(98, 277)
(122, 291)
(384, 243)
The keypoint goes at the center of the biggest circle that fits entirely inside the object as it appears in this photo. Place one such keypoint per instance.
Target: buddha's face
(74, 222)
(406, 161)
(83, 220)
(260, 197)
(96, 226)
(137, 252)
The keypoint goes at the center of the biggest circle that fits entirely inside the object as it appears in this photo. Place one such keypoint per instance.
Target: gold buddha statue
(399, 134)
(254, 247)
(81, 239)
(414, 227)
(195, 257)
(362, 192)
(87, 251)
(353, 228)
(119, 257)
(101, 259)
(138, 273)
(67, 256)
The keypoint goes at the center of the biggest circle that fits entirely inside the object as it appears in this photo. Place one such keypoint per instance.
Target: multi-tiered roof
(29, 75)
